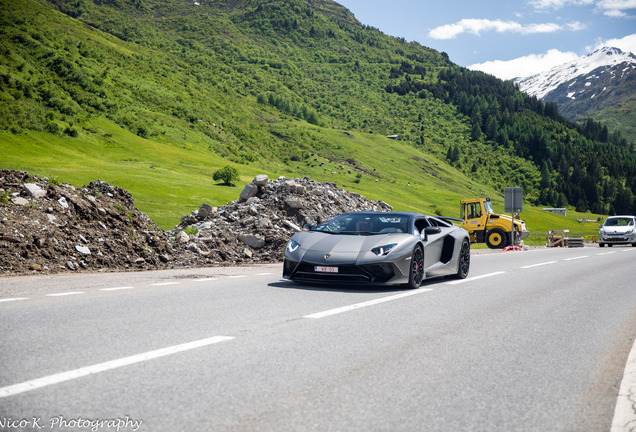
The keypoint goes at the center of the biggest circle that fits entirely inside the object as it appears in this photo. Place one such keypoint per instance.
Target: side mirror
(432, 230)
(428, 231)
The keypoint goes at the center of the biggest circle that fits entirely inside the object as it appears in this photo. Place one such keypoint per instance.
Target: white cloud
(611, 8)
(576, 26)
(541, 28)
(535, 63)
(616, 8)
(627, 44)
(558, 4)
(477, 26)
(524, 66)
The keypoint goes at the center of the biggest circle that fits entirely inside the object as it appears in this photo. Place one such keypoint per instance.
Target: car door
(433, 240)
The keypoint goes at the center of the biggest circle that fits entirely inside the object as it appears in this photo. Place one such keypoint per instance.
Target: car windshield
(619, 222)
(365, 224)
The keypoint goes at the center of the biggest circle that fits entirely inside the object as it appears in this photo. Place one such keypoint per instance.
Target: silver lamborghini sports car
(378, 248)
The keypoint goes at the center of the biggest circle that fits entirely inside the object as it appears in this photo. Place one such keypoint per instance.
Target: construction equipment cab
(485, 226)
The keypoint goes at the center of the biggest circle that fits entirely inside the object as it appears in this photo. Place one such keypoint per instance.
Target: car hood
(617, 229)
(319, 247)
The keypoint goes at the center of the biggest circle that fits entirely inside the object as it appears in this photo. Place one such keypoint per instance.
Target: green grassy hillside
(155, 96)
(167, 183)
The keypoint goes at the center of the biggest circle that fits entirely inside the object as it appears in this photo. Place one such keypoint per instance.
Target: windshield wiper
(363, 233)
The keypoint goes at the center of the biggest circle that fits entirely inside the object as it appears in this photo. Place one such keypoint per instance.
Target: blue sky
(505, 38)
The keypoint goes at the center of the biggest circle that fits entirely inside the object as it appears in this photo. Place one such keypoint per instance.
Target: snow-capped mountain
(601, 85)
(611, 62)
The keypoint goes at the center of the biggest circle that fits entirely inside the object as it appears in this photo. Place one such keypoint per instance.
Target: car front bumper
(617, 238)
(379, 273)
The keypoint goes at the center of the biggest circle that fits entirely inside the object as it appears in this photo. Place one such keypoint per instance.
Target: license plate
(323, 269)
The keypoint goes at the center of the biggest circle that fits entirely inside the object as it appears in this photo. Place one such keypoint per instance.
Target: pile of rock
(50, 227)
(256, 226)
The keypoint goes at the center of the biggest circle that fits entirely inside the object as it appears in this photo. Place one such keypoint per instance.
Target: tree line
(582, 164)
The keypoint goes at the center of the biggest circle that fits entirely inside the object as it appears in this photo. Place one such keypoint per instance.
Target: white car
(618, 230)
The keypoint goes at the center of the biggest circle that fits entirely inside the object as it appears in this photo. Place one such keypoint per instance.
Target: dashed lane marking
(470, 279)
(109, 365)
(117, 288)
(121, 288)
(13, 299)
(343, 309)
(576, 258)
(539, 265)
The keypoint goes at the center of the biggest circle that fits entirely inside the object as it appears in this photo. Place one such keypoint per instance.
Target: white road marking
(117, 288)
(575, 258)
(624, 413)
(367, 303)
(470, 279)
(539, 265)
(102, 367)
(121, 288)
(607, 253)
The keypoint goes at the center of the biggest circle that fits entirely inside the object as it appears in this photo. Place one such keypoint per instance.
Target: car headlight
(383, 250)
(630, 231)
(292, 246)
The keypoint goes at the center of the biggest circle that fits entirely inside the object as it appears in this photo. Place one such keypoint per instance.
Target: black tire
(496, 239)
(464, 261)
(416, 271)
(601, 245)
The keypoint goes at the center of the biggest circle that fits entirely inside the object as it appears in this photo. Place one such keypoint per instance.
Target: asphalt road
(531, 341)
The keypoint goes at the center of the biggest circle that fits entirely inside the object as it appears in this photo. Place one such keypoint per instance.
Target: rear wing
(448, 219)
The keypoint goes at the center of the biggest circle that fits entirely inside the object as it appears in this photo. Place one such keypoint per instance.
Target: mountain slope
(601, 85)
(154, 96)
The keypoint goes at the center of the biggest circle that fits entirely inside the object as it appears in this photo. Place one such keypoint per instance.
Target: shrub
(191, 230)
(227, 175)
(72, 132)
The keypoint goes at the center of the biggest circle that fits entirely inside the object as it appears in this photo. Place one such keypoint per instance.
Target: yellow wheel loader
(485, 226)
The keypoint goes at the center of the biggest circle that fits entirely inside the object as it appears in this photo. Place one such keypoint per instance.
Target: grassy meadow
(169, 180)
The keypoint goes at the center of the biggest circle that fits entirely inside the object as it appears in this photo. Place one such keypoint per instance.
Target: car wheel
(464, 261)
(416, 272)
(601, 245)
(496, 239)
